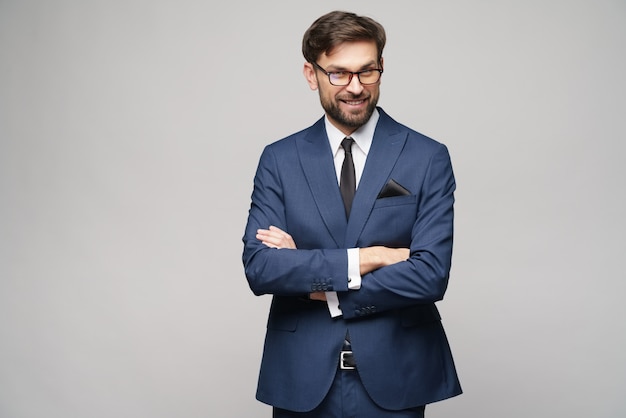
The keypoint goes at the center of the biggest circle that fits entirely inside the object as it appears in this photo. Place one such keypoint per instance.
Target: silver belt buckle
(342, 358)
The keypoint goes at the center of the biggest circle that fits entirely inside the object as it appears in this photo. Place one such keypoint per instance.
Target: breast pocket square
(393, 188)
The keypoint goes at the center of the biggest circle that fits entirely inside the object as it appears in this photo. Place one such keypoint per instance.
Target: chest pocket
(385, 202)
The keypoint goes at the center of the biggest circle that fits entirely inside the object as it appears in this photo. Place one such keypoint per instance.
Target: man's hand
(373, 258)
(275, 238)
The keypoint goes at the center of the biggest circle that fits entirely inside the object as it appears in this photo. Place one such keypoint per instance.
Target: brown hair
(337, 27)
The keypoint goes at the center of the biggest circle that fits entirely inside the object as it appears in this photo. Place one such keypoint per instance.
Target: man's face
(347, 107)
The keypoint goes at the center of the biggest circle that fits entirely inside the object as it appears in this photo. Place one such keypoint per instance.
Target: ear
(309, 74)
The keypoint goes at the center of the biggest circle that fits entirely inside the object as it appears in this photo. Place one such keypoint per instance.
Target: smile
(354, 102)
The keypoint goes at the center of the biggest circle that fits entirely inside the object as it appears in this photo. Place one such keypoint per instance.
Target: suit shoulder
(425, 142)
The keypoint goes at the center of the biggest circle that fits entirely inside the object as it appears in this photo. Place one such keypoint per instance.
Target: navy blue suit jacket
(399, 344)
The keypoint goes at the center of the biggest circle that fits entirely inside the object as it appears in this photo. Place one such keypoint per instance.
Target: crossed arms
(370, 258)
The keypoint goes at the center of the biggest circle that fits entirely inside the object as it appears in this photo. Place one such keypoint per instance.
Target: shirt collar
(362, 137)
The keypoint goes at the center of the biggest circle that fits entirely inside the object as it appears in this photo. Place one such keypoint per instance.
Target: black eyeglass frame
(352, 74)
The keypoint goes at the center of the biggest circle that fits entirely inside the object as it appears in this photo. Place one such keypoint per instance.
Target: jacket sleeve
(423, 278)
(284, 271)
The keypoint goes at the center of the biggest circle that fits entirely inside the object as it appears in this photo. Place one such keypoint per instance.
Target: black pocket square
(393, 188)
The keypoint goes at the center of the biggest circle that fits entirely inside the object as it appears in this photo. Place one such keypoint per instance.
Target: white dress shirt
(362, 142)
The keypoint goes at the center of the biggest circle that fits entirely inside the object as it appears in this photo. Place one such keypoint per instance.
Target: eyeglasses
(343, 78)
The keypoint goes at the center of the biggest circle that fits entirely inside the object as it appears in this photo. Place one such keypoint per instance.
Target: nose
(355, 87)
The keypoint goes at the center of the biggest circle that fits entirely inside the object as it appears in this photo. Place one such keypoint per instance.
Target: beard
(351, 120)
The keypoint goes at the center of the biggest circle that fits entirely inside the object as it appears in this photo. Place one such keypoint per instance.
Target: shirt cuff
(354, 282)
(354, 269)
(333, 304)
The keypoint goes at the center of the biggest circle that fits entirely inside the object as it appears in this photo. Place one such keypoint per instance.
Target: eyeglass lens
(344, 78)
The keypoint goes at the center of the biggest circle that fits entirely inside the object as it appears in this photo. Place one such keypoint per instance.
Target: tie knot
(347, 144)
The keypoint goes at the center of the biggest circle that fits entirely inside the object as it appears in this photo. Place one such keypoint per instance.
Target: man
(353, 330)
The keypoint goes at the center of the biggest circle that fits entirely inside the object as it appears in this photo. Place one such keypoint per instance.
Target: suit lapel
(319, 169)
(387, 144)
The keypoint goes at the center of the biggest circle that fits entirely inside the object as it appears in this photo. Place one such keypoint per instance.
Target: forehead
(350, 54)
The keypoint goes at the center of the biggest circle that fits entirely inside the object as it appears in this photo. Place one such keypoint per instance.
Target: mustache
(353, 96)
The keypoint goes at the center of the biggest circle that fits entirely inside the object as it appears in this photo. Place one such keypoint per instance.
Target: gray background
(129, 135)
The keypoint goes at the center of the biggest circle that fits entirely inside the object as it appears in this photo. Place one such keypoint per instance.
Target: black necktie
(347, 184)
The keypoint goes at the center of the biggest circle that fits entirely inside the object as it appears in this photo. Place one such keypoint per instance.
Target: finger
(276, 229)
(266, 233)
(265, 239)
(262, 233)
(279, 232)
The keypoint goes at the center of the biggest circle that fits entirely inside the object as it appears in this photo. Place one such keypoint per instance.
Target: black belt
(346, 358)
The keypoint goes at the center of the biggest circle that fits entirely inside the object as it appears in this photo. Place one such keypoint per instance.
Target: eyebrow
(334, 68)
